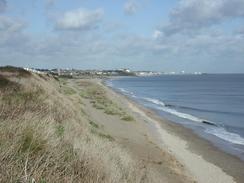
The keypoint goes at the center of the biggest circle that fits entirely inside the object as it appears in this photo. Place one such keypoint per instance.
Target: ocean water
(212, 105)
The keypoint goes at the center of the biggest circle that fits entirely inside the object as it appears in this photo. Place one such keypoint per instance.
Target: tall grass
(45, 138)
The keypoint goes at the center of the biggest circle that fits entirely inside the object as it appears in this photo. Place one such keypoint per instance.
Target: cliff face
(46, 136)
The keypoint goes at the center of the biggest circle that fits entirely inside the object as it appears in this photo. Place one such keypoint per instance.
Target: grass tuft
(30, 142)
(127, 118)
(102, 135)
(60, 131)
(93, 124)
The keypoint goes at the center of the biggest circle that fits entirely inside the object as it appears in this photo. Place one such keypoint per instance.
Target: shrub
(93, 124)
(127, 118)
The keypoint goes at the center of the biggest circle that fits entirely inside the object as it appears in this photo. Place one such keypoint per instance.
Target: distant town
(76, 73)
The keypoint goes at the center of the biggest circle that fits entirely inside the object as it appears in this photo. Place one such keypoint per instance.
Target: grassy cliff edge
(45, 135)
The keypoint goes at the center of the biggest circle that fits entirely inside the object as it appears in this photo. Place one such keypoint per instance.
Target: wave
(202, 110)
(190, 108)
(155, 101)
(216, 130)
(225, 135)
(109, 84)
(166, 108)
(125, 91)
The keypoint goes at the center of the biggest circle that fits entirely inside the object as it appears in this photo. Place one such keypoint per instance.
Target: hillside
(46, 136)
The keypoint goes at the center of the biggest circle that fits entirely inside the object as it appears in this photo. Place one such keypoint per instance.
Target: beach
(73, 130)
(174, 152)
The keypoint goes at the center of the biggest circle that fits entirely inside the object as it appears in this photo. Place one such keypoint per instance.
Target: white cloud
(116, 47)
(79, 19)
(10, 25)
(130, 7)
(194, 14)
(157, 34)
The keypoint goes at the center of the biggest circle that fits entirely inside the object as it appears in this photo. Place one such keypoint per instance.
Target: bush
(127, 118)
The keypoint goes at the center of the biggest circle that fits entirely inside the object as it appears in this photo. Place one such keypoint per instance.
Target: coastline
(201, 158)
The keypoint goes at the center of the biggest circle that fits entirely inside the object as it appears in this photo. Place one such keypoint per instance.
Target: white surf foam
(219, 132)
(161, 106)
(126, 91)
(109, 83)
(225, 135)
(155, 101)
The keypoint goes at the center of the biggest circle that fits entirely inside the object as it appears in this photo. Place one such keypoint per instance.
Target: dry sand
(164, 148)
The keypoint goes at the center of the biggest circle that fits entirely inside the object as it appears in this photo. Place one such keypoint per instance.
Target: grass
(63, 81)
(112, 111)
(93, 124)
(60, 130)
(99, 100)
(106, 136)
(127, 118)
(17, 71)
(4, 82)
(83, 94)
(34, 145)
(68, 90)
(30, 143)
(102, 135)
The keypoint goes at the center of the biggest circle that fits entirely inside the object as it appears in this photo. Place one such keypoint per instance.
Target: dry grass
(45, 137)
(14, 71)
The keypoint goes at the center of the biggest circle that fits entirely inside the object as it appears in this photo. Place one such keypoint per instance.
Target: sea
(212, 105)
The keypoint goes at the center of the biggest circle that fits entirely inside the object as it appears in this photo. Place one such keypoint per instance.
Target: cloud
(50, 2)
(10, 25)
(130, 8)
(3, 5)
(112, 46)
(79, 19)
(194, 14)
(157, 34)
(11, 34)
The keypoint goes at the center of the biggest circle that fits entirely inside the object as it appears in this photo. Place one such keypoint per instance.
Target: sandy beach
(80, 130)
(172, 152)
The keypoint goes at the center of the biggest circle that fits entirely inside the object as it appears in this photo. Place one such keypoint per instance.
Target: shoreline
(214, 160)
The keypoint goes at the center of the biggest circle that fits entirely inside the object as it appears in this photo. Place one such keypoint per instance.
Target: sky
(159, 35)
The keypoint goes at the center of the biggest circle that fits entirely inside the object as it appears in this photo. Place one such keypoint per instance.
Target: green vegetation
(127, 118)
(68, 91)
(83, 94)
(63, 81)
(93, 124)
(99, 100)
(4, 82)
(60, 130)
(31, 143)
(112, 110)
(102, 135)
